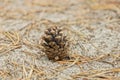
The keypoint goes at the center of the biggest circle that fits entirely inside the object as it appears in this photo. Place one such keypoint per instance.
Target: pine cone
(55, 44)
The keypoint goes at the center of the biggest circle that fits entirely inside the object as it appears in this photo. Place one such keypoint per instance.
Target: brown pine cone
(55, 44)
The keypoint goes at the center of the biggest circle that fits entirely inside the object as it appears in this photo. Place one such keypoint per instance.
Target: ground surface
(92, 25)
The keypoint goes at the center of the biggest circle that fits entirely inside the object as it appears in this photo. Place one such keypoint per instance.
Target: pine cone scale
(55, 44)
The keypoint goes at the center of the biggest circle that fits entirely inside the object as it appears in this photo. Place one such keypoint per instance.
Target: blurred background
(92, 25)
